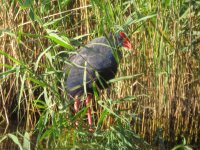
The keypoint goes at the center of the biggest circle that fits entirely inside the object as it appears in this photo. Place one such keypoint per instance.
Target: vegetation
(152, 104)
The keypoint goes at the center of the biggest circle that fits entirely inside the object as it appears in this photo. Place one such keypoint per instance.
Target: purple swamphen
(96, 62)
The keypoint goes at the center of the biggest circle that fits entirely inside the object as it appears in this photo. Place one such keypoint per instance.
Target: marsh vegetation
(152, 104)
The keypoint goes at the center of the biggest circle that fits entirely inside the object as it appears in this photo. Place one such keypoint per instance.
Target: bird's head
(123, 41)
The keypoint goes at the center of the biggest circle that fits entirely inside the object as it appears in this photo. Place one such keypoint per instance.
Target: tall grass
(157, 100)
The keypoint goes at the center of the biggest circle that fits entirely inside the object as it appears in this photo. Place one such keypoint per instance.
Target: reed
(156, 100)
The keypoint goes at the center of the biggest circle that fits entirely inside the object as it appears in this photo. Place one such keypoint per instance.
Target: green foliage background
(154, 98)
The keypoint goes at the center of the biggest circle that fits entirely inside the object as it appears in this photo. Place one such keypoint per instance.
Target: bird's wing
(97, 54)
(96, 58)
(99, 60)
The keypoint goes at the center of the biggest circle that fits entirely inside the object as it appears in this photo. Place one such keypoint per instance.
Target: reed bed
(154, 100)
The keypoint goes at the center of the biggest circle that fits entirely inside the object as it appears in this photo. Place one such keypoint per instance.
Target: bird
(96, 62)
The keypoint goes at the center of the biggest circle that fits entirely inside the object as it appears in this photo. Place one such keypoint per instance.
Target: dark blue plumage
(101, 57)
(96, 62)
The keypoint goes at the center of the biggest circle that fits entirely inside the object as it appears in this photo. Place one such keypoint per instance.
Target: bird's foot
(91, 130)
(76, 123)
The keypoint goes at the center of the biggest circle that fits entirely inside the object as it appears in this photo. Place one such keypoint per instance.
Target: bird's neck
(114, 45)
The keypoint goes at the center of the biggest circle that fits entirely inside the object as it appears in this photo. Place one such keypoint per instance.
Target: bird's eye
(121, 38)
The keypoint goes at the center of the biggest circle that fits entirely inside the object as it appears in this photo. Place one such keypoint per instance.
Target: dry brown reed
(167, 91)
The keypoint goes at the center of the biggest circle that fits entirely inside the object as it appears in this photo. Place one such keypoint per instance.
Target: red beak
(127, 44)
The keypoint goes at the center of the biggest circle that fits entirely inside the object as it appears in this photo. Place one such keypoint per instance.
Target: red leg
(76, 107)
(89, 115)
